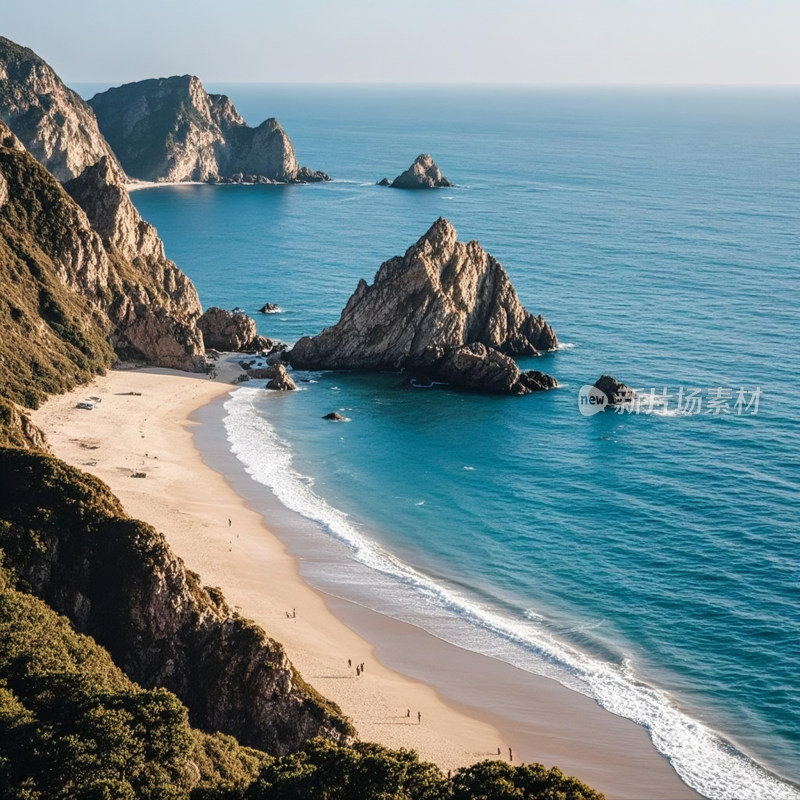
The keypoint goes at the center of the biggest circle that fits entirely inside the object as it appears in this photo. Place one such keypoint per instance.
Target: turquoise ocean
(650, 561)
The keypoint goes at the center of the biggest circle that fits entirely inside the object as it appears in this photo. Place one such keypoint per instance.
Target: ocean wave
(566, 346)
(701, 756)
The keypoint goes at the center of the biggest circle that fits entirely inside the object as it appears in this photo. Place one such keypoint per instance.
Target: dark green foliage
(73, 726)
(325, 771)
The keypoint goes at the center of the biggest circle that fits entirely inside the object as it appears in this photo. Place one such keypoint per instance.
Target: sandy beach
(470, 705)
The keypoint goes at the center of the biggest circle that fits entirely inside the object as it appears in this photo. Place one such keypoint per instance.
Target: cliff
(151, 306)
(171, 129)
(55, 124)
(446, 310)
(70, 543)
(70, 303)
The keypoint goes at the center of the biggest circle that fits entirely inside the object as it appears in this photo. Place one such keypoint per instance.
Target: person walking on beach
(408, 712)
(229, 523)
(349, 663)
(510, 755)
(419, 718)
(358, 672)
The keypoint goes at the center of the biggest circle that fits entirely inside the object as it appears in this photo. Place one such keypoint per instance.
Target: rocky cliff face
(151, 305)
(118, 581)
(421, 311)
(145, 307)
(56, 125)
(171, 129)
(155, 308)
(422, 174)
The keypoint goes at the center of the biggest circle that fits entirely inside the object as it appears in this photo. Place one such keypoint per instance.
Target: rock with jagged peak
(171, 129)
(445, 309)
(57, 127)
(422, 174)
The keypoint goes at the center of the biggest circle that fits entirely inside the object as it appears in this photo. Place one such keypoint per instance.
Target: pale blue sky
(438, 41)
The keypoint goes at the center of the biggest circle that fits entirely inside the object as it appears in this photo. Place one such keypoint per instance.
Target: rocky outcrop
(171, 129)
(617, 392)
(421, 311)
(282, 382)
(422, 174)
(476, 366)
(118, 581)
(231, 332)
(57, 127)
(335, 416)
(270, 308)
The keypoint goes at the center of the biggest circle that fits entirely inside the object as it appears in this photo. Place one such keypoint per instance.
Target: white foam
(565, 346)
(704, 760)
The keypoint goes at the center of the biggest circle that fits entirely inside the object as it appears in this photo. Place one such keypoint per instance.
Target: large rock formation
(426, 311)
(422, 174)
(150, 305)
(57, 127)
(171, 129)
(67, 537)
(231, 332)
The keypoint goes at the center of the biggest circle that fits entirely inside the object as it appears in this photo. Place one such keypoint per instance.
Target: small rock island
(422, 174)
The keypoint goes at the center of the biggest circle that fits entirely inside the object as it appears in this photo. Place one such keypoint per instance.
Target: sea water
(648, 560)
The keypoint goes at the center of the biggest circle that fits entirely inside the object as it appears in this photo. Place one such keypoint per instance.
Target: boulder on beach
(335, 416)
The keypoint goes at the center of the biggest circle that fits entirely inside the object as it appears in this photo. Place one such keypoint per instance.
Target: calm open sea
(649, 561)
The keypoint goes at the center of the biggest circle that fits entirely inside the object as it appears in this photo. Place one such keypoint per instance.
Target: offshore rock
(422, 174)
(421, 311)
(617, 392)
(171, 129)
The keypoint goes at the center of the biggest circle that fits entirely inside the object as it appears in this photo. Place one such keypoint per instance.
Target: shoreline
(471, 704)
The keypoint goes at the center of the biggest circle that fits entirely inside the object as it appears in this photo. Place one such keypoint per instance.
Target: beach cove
(470, 705)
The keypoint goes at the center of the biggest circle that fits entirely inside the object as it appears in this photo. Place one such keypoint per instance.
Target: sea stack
(617, 392)
(171, 129)
(445, 310)
(422, 174)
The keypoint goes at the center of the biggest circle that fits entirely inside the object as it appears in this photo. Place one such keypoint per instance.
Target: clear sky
(438, 41)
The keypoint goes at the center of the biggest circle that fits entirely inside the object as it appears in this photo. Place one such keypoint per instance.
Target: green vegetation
(73, 726)
(51, 337)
